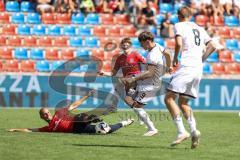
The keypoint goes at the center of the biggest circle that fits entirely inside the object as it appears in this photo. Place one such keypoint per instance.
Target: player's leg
(117, 126)
(176, 116)
(188, 114)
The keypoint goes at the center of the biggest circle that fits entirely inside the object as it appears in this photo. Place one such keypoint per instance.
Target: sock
(179, 124)
(145, 118)
(115, 127)
(192, 123)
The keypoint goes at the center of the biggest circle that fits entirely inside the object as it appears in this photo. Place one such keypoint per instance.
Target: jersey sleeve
(178, 30)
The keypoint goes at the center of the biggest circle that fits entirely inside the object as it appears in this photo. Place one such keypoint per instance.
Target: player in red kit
(66, 122)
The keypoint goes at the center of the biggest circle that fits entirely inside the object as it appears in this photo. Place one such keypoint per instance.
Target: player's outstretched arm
(211, 47)
(23, 130)
(75, 104)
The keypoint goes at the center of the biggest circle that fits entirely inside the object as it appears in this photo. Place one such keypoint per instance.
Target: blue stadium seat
(39, 30)
(159, 19)
(84, 31)
(75, 41)
(69, 30)
(17, 18)
(135, 43)
(27, 6)
(153, 30)
(177, 6)
(143, 53)
(92, 18)
(160, 41)
(33, 18)
(174, 19)
(78, 18)
(207, 68)
(231, 21)
(54, 30)
(232, 44)
(58, 66)
(23, 29)
(12, 6)
(236, 56)
(20, 53)
(36, 54)
(83, 53)
(92, 67)
(165, 8)
(43, 66)
(213, 57)
(92, 42)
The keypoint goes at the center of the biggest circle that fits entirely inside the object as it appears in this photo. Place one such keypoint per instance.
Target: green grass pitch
(220, 139)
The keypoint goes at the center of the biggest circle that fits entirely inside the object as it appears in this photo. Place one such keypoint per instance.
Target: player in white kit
(149, 81)
(191, 40)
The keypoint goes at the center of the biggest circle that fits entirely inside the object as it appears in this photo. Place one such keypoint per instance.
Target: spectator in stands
(200, 7)
(113, 6)
(44, 6)
(236, 11)
(147, 16)
(217, 7)
(87, 6)
(64, 6)
(99, 6)
(166, 29)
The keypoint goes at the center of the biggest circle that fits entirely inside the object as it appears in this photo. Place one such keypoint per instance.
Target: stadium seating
(121, 19)
(2, 6)
(12, 6)
(159, 18)
(225, 56)
(58, 66)
(177, 6)
(207, 68)
(39, 30)
(165, 8)
(219, 21)
(75, 42)
(37, 54)
(63, 18)
(29, 41)
(11, 66)
(9, 29)
(69, 30)
(224, 32)
(48, 18)
(17, 18)
(201, 20)
(114, 31)
(236, 32)
(4, 17)
(213, 58)
(91, 42)
(99, 31)
(129, 31)
(160, 41)
(135, 43)
(6, 53)
(27, 6)
(77, 18)
(14, 41)
(42, 66)
(33, 18)
(233, 68)
(92, 18)
(236, 57)
(218, 68)
(107, 19)
(174, 19)
(97, 54)
(20, 53)
(54, 30)
(84, 30)
(232, 44)
(52, 54)
(61, 42)
(23, 29)
(67, 54)
(153, 30)
(45, 41)
(3, 40)
(231, 21)
(27, 66)
(82, 53)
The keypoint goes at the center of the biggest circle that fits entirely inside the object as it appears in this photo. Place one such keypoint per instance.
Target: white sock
(179, 124)
(145, 118)
(192, 123)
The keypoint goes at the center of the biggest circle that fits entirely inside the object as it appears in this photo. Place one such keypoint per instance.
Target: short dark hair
(126, 40)
(146, 35)
(184, 12)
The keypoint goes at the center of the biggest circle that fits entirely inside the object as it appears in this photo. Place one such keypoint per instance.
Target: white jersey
(194, 41)
(154, 57)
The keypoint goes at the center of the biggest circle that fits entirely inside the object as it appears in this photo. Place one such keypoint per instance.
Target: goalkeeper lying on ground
(66, 122)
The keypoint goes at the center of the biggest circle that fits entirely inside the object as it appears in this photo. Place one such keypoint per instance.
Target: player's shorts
(186, 81)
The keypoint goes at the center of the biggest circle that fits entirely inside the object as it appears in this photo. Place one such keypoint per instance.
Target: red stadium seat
(99, 31)
(45, 41)
(67, 54)
(4, 17)
(63, 18)
(225, 56)
(107, 19)
(14, 41)
(11, 66)
(224, 32)
(27, 66)
(129, 31)
(170, 43)
(52, 54)
(219, 21)
(233, 68)
(30, 41)
(121, 19)
(61, 42)
(3, 40)
(201, 20)
(98, 54)
(48, 18)
(9, 29)
(2, 7)
(6, 53)
(236, 32)
(218, 68)
(114, 31)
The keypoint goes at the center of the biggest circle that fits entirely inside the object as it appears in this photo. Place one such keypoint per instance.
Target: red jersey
(61, 122)
(129, 63)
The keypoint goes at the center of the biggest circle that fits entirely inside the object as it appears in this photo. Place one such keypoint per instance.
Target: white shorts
(186, 81)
